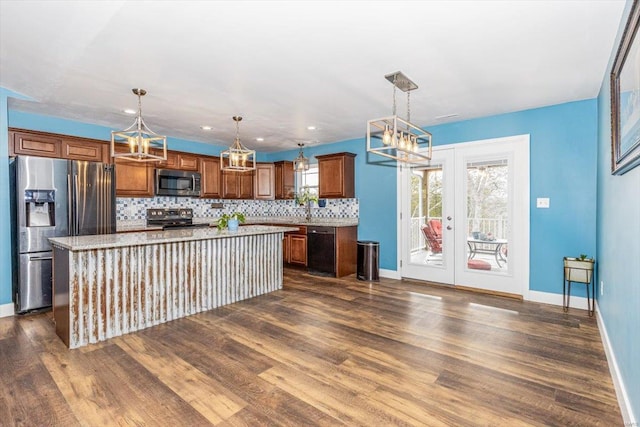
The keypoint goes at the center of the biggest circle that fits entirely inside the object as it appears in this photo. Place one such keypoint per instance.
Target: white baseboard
(618, 383)
(6, 310)
(390, 274)
(555, 299)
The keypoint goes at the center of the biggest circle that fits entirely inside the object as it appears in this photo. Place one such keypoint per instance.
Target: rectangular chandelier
(237, 157)
(396, 138)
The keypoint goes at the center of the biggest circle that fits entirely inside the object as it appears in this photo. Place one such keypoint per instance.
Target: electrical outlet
(601, 287)
(542, 202)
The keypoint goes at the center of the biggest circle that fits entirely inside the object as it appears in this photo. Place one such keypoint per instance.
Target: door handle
(37, 258)
(449, 227)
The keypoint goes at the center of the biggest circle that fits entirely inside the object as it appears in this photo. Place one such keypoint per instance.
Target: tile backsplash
(131, 208)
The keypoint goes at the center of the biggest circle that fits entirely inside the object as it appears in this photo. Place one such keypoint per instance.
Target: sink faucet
(307, 209)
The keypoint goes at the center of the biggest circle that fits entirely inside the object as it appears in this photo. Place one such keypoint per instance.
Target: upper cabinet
(133, 179)
(265, 181)
(284, 180)
(210, 170)
(42, 144)
(178, 160)
(336, 175)
(237, 185)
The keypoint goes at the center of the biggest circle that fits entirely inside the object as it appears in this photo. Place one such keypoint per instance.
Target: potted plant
(230, 221)
(305, 196)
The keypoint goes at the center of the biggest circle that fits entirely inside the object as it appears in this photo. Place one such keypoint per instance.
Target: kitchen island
(110, 285)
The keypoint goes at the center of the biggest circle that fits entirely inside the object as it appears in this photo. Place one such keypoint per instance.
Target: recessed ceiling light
(205, 127)
(129, 111)
(311, 128)
(259, 139)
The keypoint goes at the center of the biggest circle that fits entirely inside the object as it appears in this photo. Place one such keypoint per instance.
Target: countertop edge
(143, 238)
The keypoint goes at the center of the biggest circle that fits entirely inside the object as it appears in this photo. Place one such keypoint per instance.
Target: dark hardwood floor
(321, 352)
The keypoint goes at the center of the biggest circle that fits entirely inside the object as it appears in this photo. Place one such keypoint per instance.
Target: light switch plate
(542, 202)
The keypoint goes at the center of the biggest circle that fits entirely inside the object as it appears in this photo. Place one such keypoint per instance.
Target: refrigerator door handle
(70, 217)
(40, 258)
(75, 204)
(72, 202)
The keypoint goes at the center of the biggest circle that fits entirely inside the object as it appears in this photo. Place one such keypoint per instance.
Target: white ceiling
(286, 65)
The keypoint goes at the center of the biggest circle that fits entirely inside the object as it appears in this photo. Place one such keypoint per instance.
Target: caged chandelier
(144, 144)
(301, 163)
(237, 157)
(397, 138)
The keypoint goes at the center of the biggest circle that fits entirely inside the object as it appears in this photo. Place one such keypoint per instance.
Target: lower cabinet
(294, 247)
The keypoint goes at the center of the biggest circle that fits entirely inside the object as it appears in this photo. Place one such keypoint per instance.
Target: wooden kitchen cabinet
(43, 144)
(35, 144)
(284, 180)
(133, 179)
(265, 181)
(210, 171)
(177, 160)
(336, 175)
(237, 185)
(294, 246)
(91, 151)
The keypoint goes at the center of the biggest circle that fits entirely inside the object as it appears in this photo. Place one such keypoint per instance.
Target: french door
(465, 216)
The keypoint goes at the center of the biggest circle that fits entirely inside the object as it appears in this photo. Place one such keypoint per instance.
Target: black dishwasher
(321, 250)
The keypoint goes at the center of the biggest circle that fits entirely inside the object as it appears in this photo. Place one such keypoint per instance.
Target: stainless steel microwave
(177, 183)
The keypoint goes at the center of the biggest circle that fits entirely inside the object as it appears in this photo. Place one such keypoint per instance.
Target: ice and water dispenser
(40, 208)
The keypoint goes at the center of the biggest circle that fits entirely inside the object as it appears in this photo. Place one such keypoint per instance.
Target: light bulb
(401, 141)
(132, 143)
(415, 145)
(386, 136)
(394, 140)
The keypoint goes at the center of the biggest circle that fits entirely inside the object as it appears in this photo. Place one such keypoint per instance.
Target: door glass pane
(426, 216)
(488, 216)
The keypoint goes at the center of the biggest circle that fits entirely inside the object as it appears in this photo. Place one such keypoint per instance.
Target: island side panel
(61, 293)
(120, 290)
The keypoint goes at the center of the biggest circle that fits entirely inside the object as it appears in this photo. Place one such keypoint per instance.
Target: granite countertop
(104, 241)
(140, 225)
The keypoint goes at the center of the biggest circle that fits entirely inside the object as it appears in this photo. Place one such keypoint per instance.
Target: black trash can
(368, 261)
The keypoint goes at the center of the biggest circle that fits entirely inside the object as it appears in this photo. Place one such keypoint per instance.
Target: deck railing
(498, 227)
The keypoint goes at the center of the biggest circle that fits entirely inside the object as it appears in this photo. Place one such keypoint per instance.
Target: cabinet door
(246, 182)
(265, 181)
(230, 185)
(210, 170)
(284, 180)
(83, 150)
(170, 163)
(36, 145)
(286, 253)
(133, 179)
(187, 162)
(298, 250)
(336, 175)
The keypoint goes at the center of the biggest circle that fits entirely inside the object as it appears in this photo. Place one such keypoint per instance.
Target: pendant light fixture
(144, 144)
(395, 137)
(301, 163)
(237, 157)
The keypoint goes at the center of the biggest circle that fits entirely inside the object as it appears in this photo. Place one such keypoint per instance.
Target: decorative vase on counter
(233, 224)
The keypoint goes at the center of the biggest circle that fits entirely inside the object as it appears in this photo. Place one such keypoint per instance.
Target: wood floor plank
(207, 397)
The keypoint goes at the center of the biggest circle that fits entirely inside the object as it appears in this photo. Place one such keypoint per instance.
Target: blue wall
(619, 249)
(563, 168)
(5, 234)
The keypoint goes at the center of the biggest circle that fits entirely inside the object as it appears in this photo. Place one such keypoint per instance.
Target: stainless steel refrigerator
(52, 198)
